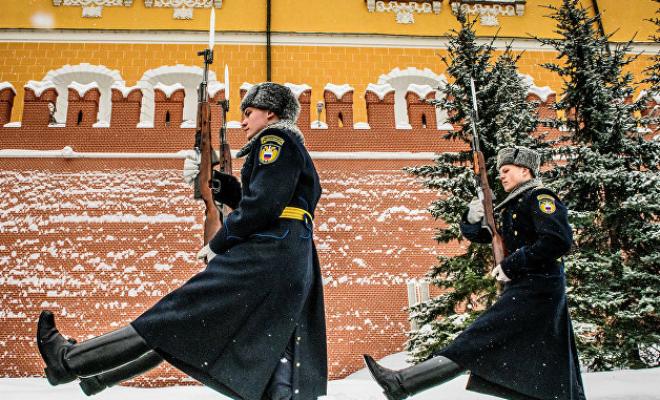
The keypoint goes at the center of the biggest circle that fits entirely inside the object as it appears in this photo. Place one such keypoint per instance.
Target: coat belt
(296, 213)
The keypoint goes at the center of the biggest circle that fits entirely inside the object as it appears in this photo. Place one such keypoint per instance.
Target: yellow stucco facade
(313, 42)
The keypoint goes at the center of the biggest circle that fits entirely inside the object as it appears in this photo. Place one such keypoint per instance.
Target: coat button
(298, 365)
(515, 233)
(514, 216)
(296, 391)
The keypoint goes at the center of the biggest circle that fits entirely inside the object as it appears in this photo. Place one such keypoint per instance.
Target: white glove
(206, 253)
(476, 211)
(191, 167)
(499, 274)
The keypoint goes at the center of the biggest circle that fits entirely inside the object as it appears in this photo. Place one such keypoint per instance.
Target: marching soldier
(523, 346)
(252, 324)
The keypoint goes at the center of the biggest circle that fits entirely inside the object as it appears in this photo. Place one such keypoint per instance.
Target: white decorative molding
(489, 10)
(183, 9)
(83, 88)
(188, 76)
(542, 92)
(405, 12)
(84, 73)
(401, 81)
(93, 8)
(125, 90)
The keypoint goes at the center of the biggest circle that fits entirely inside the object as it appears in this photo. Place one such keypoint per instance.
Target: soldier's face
(513, 175)
(256, 119)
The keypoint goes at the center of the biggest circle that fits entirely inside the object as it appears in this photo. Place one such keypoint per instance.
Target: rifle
(203, 182)
(224, 152)
(484, 192)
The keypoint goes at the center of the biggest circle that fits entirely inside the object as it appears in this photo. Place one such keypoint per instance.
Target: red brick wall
(99, 240)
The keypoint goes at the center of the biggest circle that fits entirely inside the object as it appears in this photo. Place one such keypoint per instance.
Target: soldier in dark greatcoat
(252, 324)
(523, 346)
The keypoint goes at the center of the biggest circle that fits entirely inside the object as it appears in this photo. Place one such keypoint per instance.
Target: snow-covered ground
(619, 385)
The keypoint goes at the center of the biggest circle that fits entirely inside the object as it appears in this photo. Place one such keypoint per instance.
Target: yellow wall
(314, 65)
(338, 16)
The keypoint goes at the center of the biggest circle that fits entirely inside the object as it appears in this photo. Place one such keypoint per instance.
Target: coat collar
(282, 124)
(520, 189)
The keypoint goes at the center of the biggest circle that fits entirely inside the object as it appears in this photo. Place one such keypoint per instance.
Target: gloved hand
(191, 167)
(226, 189)
(499, 274)
(476, 211)
(206, 254)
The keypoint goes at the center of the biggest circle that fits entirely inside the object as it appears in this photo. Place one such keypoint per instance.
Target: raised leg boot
(399, 385)
(52, 347)
(66, 361)
(95, 384)
(106, 352)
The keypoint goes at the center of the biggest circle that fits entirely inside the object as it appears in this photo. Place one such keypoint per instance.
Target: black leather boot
(52, 347)
(98, 383)
(399, 385)
(66, 361)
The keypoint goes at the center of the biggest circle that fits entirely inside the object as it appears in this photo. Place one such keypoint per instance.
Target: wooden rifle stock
(499, 248)
(485, 193)
(203, 183)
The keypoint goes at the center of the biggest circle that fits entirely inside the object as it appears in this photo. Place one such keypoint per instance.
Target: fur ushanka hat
(274, 97)
(520, 156)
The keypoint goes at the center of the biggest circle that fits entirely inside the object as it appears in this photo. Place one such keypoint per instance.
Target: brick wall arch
(188, 76)
(400, 80)
(84, 74)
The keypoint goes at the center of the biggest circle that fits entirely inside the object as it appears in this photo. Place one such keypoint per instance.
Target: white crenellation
(38, 87)
(338, 90)
(84, 73)
(297, 90)
(401, 80)
(188, 76)
(380, 90)
(4, 85)
(420, 90)
(168, 89)
(83, 88)
(215, 87)
(125, 90)
(542, 92)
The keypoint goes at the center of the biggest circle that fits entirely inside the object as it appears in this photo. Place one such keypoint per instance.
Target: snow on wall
(100, 240)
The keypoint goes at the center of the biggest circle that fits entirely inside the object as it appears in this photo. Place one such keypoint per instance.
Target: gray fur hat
(520, 156)
(273, 97)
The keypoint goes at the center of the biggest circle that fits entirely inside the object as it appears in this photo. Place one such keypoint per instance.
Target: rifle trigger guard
(215, 185)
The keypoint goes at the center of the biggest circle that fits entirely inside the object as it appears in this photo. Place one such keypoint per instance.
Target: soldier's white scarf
(282, 124)
(518, 190)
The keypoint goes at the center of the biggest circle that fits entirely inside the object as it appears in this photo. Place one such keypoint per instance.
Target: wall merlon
(169, 103)
(38, 96)
(421, 114)
(7, 95)
(338, 106)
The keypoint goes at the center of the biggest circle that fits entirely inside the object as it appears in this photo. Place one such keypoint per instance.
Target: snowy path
(621, 385)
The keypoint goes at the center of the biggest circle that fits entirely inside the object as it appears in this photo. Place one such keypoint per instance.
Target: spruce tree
(608, 176)
(506, 119)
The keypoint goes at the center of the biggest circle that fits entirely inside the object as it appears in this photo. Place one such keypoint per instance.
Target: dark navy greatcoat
(523, 346)
(229, 325)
